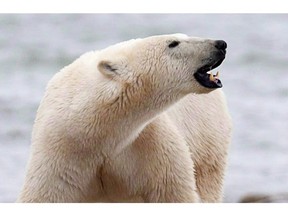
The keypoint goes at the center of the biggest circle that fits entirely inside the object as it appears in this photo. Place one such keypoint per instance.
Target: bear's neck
(130, 111)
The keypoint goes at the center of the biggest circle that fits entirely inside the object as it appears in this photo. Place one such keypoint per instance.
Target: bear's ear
(108, 69)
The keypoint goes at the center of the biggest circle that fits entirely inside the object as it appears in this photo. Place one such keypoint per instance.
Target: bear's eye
(173, 44)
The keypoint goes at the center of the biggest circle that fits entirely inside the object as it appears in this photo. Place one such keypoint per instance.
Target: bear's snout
(221, 45)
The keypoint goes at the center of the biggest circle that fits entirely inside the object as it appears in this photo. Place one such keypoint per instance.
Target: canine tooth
(217, 74)
(211, 77)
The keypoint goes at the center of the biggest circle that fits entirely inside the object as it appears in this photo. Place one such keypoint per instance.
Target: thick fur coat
(130, 123)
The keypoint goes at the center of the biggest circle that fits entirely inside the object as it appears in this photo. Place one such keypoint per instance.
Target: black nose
(220, 44)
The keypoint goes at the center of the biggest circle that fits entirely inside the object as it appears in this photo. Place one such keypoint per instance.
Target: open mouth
(209, 80)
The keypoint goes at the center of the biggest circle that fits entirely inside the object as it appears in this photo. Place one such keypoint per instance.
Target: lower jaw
(205, 81)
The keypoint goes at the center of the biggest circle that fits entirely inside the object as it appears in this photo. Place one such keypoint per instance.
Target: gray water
(254, 74)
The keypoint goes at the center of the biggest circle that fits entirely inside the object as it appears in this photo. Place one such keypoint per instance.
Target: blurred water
(34, 47)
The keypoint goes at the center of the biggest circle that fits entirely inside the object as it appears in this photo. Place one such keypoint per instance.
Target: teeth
(211, 77)
(214, 77)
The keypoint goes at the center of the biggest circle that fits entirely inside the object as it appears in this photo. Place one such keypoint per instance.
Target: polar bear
(139, 121)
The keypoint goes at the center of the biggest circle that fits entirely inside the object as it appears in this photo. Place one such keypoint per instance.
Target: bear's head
(175, 64)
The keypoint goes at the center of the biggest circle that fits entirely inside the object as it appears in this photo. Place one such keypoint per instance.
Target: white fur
(123, 125)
